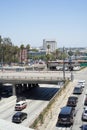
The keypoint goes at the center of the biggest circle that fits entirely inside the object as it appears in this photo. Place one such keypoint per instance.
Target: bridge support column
(14, 90)
(25, 87)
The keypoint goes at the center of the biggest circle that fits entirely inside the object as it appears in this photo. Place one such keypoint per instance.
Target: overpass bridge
(24, 79)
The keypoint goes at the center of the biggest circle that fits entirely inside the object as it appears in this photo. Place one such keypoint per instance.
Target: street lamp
(70, 65)
(63, 65)
(2, 56)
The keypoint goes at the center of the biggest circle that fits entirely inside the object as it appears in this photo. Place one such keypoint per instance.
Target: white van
(20, 105)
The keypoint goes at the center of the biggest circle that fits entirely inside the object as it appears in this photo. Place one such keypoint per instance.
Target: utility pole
(2, 56)
(70, 65)
(63, 65)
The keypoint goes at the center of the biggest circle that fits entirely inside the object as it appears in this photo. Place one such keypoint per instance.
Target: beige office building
(51, 43)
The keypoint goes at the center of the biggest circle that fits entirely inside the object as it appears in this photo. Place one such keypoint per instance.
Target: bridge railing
(30, 78)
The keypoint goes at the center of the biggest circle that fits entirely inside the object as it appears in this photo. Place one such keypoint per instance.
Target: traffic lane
(77, 119)
(81, 75)
(39, 104)
(61, 102)
(79, 110)
(80, 106)
(34, 106)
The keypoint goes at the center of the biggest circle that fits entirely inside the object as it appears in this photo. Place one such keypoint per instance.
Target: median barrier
(40, 119)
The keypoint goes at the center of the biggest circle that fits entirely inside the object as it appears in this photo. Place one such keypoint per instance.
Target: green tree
(7, 41)
(48, 47)
(21, 51)
(70, 52)
(0, 48)
(28, 49)
(22, 46)
(47, 57)
(0, 39)
(15, 53)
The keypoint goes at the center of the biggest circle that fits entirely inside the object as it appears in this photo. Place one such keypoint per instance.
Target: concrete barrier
(40, 119)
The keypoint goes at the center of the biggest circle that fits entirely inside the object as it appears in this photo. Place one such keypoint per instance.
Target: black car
(77, 90)
(19, 117)
(66, 116)
(72, 101)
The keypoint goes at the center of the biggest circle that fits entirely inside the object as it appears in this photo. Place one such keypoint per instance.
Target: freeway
(81, 75)
(37, 100)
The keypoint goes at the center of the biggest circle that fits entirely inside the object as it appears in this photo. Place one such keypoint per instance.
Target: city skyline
(29, 22)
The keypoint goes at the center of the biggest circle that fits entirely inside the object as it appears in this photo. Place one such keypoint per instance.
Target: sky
(31, 21)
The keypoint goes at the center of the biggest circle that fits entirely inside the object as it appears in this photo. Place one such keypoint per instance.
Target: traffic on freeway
(79, 115)
(38, 98)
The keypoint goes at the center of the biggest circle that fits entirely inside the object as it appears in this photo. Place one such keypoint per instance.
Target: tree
(21, 51)
(48, 47)
(77, 53)
(15, 53)
(0, 48)
(28, 49)
(7, 41)
(0, 39)
(47, 57)
(22, 46)
(70, 53)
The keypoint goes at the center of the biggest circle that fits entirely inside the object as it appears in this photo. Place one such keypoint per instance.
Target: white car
(82, 83)
(84, 114)
(76, 68)
(20, 105)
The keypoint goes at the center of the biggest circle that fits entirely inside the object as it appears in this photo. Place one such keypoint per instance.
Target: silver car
(84, 114)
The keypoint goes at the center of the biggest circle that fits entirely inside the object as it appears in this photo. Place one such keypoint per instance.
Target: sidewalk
(51, 120)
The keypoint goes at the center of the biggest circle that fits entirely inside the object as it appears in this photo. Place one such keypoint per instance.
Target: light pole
(70, 65)
(63, 65)
(2, 56)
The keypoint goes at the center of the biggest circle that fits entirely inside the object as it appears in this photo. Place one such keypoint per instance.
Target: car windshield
(71, 99)
(84, 127)
(17, 104)
(77, 88)
(85, 111)
(64, 115)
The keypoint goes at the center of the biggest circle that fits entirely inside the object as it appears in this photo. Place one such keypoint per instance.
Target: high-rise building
(52, 45)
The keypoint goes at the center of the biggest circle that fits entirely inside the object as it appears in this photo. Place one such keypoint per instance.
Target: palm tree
(48, 47)
(21, 51)
(57, 53)
(28, 49)
(15, 53)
